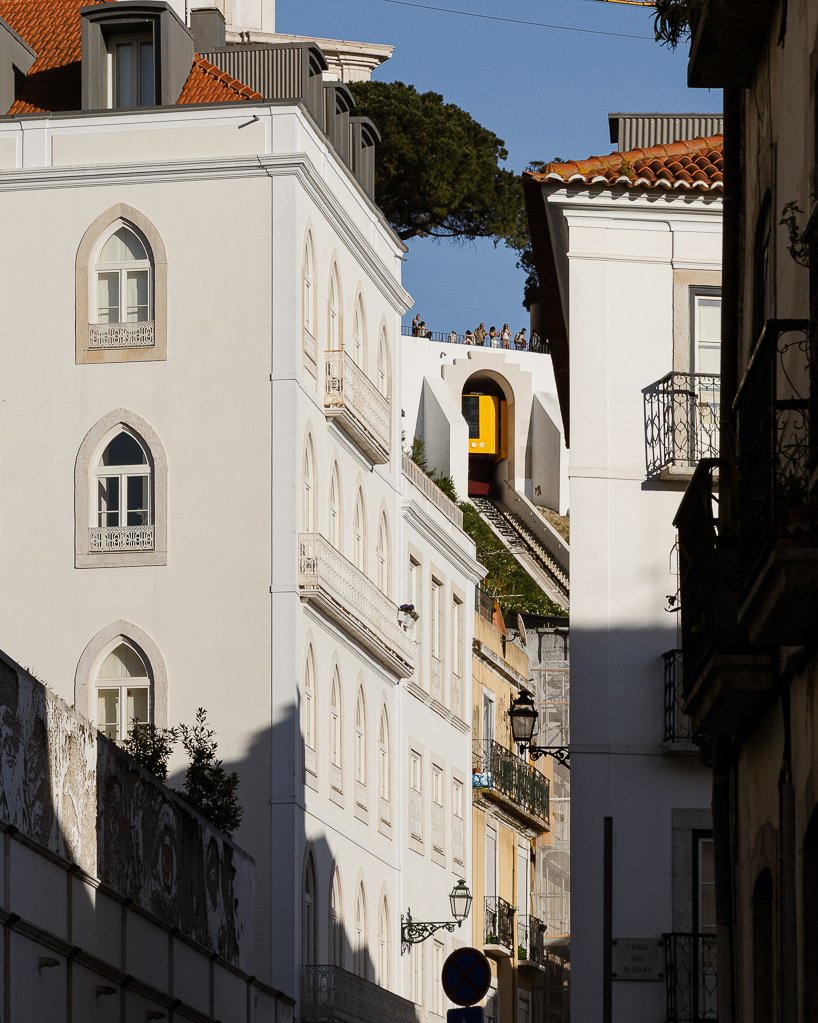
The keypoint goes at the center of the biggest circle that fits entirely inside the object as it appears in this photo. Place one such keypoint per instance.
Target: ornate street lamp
(523, 715)
(413, 932)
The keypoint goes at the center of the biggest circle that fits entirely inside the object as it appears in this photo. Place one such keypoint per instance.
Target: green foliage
(513, 586)
(437, 171)
(418, 454)
(676, 20)
(208, 787)
(446, 484)
(151, 747)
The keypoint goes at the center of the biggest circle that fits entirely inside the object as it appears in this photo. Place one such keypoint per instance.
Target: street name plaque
(637, 959)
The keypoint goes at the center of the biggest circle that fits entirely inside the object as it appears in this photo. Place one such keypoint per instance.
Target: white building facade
(628, 254)
(219, 514)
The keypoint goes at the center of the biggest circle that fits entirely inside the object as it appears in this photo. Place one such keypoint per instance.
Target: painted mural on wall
(68, 788)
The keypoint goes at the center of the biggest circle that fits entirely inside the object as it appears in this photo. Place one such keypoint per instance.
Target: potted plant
(522, 952)
(491, 938)
(407, 615)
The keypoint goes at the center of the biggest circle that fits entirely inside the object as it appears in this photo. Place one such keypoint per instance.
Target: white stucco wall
(625, 253)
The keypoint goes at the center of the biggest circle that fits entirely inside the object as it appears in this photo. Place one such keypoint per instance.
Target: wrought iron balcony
(362, 412)
(530, 940)
(499, 924)
(499, 774)
(354, 603)
(678, 728)
(139, 334)
(778, 518)
(330, 994)
(681, 422)
(691, 978)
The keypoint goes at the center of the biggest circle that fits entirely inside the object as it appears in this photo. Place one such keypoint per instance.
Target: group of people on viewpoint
(482, 338)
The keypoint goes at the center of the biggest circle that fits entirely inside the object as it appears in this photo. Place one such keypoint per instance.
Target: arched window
(384, 762)
(359, 333)
(308, 724)
(359, 533)
(360, 739)
(334, 536)
(308, 915)
(361, 952)
(336, 922)
(382, 556)
(121, 502)
(384, 942)
(334, 332)
(120, 509)
(123, 691)
(121, 290)
(336, 736)
(308, 489)
(308, 297)
(384, 378)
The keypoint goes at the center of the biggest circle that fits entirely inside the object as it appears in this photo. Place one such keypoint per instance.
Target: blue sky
(546, 92)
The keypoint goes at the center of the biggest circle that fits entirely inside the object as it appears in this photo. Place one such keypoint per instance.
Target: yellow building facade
(510, 812)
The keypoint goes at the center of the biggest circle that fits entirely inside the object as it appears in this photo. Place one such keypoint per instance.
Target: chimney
(207, 26)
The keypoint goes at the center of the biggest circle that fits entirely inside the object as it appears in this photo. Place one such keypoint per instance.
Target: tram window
(471, 413)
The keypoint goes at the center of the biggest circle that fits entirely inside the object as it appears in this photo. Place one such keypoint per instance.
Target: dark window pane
(108, 501)
(123, 450)
(471, 413)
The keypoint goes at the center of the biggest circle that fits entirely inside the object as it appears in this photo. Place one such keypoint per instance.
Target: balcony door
(706, 363)
(491, 862)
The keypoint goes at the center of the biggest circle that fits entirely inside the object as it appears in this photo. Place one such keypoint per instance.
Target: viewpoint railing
(453, 338)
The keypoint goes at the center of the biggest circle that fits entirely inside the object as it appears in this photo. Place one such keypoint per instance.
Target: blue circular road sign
(466, 976)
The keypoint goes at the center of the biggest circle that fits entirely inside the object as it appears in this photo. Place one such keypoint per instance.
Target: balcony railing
(362, 411)
(773, 442)
(140, 334)
(329, 993)
(531, 940)
(354, 602)
(121, 538)
(432, 491)
(697, 524)
(681, 421)
(498, 770)
(677, 724)
(691, 978)
(499, 922)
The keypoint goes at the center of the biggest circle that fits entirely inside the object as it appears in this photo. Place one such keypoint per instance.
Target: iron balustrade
(682, 413)
(678, 727)
(497, 768)
(332, 993)
(441, 335)
(121, 538)
(531, 940)
(499, 922)
(773, 447)
(697, 524)
(691, 977)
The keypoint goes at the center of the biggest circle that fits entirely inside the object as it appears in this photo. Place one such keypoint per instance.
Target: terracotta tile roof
(688, 165)
(209, 84)
(52, 29)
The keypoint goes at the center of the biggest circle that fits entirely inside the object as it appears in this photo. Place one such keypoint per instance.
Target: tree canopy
(437, 171)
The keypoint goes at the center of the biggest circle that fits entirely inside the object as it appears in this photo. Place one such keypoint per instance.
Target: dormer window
(132, 73)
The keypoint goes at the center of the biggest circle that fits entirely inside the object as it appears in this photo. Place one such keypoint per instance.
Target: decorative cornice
(431, 532)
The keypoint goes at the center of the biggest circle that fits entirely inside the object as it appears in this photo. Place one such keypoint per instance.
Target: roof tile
(52, 28)
(687, 164)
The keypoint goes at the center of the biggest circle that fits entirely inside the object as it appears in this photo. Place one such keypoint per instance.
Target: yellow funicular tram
(486, 416)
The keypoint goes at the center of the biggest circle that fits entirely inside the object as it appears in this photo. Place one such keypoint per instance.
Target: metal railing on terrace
(531, 940)
(496, 768)
(499, 922)
(362, 411)
(329, 993)
(773, 447)
(450, 336)
(354, 602)
(691, 978)
(682, 413)
(432, 491)
(678, 727)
